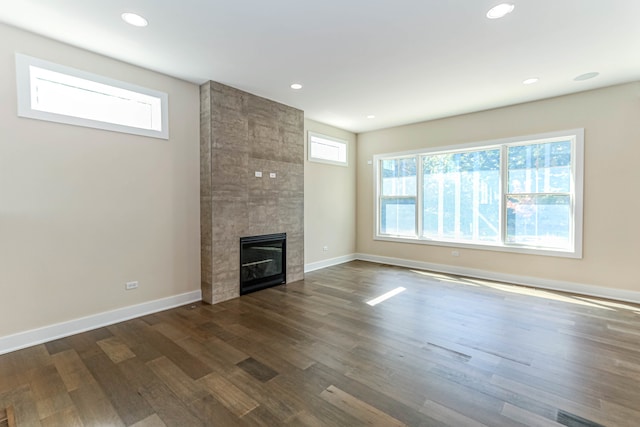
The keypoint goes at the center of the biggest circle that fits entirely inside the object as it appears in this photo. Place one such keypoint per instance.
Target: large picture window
(519, 194)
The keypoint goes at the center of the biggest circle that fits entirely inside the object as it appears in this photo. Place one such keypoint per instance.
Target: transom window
(519, 194)
(327, 149)
(52, 92)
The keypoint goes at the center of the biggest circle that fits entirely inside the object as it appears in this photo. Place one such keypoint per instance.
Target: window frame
(24, 64)
(416, 198)
(576, 136)
(312, 134)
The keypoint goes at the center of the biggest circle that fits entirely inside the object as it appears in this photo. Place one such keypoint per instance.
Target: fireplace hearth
(262, 262)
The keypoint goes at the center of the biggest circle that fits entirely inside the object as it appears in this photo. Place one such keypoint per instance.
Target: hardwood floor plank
(184, 360)
(173, 332)
(22, 401)
(86, 343)
(72, 370)
(126, 400)
(263, 354)
(115, 349)
(94, 407)
(212, 412)
(258, 370)
(359, 409)
(48, 390)
(527, 418)
(279, 402)
(67, 418)
(229, 395)
(57, 346)
(181, 384)
(319, 377)
(23, 362)
(157, 394)
(151, 421)
(449, 416)
(224, 350)
(588, 412)
(167, 406)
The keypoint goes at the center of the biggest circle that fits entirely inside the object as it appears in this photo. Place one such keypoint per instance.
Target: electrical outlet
(455, 253)
(131, 285)
(325, 248)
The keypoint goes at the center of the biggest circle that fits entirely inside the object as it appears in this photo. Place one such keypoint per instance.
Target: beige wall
(610, 118)
(329, 201)
(82, 211)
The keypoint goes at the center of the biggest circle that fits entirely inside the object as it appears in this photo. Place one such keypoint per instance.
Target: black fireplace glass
(262, 262)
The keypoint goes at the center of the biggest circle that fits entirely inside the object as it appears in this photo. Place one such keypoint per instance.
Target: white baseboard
(59, 330)
(555, 285)
(312, 266)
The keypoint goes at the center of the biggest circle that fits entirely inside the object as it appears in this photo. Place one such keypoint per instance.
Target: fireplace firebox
(262, 262)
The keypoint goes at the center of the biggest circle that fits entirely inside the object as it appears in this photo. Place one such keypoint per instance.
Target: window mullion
(419, 196)
(504, 189)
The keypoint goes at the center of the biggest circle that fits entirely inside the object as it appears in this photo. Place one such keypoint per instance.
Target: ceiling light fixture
(134, 19)
(371, 116)
(500, 11)
(530, 81)
(586, 76)
(296, 86)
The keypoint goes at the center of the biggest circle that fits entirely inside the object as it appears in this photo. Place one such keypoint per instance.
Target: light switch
(258, 174)
(272, 175)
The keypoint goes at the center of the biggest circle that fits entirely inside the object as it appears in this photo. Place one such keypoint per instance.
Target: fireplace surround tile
(242, 133)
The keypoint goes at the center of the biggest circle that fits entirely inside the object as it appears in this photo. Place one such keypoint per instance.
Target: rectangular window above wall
(518, 195)
(327, 149)
(52, 92)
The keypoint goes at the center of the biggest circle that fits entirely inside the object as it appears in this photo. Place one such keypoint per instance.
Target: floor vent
(570, 420)
(7, 417)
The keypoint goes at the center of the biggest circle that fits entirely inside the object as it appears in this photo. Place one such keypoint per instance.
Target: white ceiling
(403, 60)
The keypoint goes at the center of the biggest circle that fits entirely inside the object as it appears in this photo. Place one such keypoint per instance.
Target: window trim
(23, 81)
(311, 134)
(577, 170)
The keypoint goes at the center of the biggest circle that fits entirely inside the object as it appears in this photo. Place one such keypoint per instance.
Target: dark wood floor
(445, 352)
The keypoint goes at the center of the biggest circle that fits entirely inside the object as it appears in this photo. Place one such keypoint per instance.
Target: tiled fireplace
(241, 134)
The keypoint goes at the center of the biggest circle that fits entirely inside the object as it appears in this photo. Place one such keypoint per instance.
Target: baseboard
(59, 330)
(555, 285)
(312, 266)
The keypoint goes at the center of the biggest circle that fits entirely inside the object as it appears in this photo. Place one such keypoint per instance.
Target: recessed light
(371, 116)
(500, 10)
(586, 76)
(530, 81)
(134, 19)
(296, 86)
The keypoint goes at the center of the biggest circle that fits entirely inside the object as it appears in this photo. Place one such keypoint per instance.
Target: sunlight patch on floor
(386, 296)
(535, 292)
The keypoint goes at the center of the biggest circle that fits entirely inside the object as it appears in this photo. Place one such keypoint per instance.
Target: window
(520, 195)
(52, 92)
(398, 197)
(327, 149)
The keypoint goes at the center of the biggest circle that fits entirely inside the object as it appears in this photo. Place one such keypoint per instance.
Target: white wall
(329, 203)
(611, 203)
(82, 211)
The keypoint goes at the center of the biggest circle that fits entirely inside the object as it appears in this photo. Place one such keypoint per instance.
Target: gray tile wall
(242, 133)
